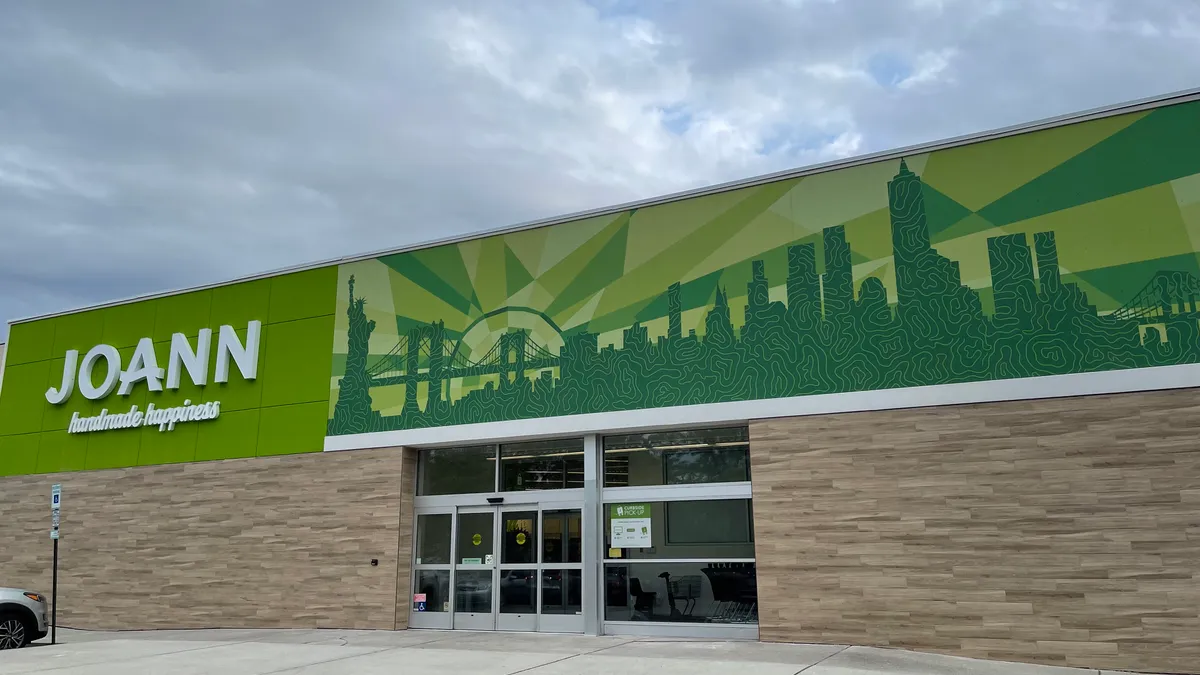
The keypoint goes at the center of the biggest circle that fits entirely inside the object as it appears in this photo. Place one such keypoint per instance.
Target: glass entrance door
(518, 582)
(561, 572)
(475, 569)
(512, 568)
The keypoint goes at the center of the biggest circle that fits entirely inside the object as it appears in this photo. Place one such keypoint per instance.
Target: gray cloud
(149, 145)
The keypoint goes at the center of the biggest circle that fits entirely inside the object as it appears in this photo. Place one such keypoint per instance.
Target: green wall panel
(124, 325)
(29, 342)
(78, 331)
(302, 295)
(23, 402)
(284, 430)
(168, 447)
(235, 437)
(18, 454)
(112, 449)
(289, 375)
(238, 304)
(60, 451)
(186, 313)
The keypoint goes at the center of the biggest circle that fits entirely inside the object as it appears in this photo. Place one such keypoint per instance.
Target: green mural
(1069, 250)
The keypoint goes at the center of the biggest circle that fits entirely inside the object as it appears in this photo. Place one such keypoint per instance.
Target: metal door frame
(526, 623)
(471, 620)
(532, 502)
(433, 619)
(563, 623)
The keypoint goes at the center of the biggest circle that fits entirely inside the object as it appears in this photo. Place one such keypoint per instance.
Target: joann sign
(144, 367)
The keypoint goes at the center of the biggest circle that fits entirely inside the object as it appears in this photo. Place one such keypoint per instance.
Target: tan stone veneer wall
(266, 542)
(1062, 531)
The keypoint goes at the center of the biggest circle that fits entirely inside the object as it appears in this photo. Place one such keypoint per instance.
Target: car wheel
(13, 634)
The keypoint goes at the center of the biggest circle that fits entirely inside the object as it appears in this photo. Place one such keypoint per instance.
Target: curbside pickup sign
(144, 367)
(630, 526)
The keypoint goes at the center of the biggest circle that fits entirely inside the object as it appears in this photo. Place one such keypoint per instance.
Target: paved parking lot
(258, 652)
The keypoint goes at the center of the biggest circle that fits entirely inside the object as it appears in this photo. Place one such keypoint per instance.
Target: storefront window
(562, 541)
(699, 529)
(677, 458)
(433, 539)
(447, 471)
(562, 591)
(542, 465)
(518, 591)
(435, 586)
(693, 592)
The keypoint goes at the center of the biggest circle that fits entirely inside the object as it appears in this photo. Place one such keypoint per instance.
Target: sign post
(55, 505)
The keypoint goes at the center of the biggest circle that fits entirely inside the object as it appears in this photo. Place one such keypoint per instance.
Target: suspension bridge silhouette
(426, 354)
(1167, 294)
(827, 337)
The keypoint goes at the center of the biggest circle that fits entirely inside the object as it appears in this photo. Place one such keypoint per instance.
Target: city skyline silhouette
(825, 338)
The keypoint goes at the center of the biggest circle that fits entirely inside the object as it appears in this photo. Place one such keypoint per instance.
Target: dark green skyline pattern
(823, 339)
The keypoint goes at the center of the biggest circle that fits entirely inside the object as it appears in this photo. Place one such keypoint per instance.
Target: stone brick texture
(1062, 531)
(278, 542)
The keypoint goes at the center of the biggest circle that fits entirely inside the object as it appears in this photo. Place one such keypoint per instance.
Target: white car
(22, 617)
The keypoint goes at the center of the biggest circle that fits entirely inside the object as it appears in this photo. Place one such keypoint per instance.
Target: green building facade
(1066, 248)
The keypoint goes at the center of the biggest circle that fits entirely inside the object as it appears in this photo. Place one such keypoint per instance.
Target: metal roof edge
(1124, 108)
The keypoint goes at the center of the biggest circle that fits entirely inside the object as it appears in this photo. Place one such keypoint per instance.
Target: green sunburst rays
(1086, 182)
(694, 243)
(372, 282)
(1096, 185)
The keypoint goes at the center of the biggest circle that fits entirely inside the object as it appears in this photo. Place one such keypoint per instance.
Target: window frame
(664, 450)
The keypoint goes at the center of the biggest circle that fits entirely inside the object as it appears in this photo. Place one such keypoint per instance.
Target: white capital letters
(245, 356)
(182, 356)
(57, 396)
(143, 366)
(113, 357)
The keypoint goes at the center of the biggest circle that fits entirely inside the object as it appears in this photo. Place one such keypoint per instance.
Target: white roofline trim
(1129, 107)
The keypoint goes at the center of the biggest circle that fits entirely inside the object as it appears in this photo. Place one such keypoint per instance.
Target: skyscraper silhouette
(823, 340)
(1047, 263)
(1012, 275)
(803, 286)
(674, 310)
(837, 284)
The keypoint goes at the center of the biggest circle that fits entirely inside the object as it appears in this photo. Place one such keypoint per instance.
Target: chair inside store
(643, 601)
(735, 591)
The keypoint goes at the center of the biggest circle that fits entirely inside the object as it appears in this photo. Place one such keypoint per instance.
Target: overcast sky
(149, 145)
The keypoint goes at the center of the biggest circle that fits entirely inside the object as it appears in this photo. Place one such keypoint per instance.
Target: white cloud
(928, 67)
(156, 135)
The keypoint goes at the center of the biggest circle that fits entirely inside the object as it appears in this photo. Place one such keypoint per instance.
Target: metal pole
(593, 536)
(54, 596)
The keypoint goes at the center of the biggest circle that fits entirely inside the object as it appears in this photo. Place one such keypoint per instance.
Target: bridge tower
(437, 345)
(512, 357)
(410, 371)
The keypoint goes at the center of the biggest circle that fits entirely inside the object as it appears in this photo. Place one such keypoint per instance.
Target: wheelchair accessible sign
(630, 525)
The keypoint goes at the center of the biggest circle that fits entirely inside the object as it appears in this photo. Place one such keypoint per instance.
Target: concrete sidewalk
(258, 652)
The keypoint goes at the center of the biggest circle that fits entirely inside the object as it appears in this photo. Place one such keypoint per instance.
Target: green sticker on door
(520, 539)
(477, 539)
